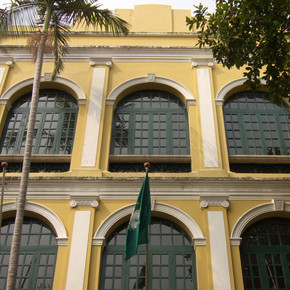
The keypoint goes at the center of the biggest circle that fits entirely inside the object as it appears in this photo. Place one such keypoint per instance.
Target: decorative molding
(198, 242)
(105, 62)
(153, 201)
(93, 202)
(100, 242)
(7, 61)
(202, 62)
(151, 78)
(47, 77)
(111, 100)
(81, 96)
(252, 213)
(235, 241)
(223, 92)
(169, 210)
(49, 215)
(7, 103)
(278, 204)
(206, 201)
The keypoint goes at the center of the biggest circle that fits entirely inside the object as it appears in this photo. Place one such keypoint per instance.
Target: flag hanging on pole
(137, 231)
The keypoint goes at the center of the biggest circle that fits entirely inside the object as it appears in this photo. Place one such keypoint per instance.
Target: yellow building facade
(219, 155)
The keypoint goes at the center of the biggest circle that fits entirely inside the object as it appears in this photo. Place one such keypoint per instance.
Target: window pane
(155, 117)
(261, 126)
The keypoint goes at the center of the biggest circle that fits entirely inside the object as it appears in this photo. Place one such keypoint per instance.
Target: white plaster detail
(206, 201)
(2, 72)
(91, 139)
(78, 251)
(106, 62)
(151, 78)
(220, 97)
(49, 215)
(95, 204)
(218, 249)
(7, 61)
(207, 119)
(153, 201)
(60, 80)
(252, 213)
(111, 100)
(278, 204)
(87, 202)
(47, 76)
(73, 203)
(198, 242)
(195, 231)
(202, 62)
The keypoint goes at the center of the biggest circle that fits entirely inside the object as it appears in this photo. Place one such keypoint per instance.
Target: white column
(93, 118)
(207, 119)
(218, 248)
(78, 251)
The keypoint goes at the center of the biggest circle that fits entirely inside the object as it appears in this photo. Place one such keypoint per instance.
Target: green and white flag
(137, 231)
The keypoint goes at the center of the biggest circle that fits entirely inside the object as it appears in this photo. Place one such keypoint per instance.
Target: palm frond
(18, 19)
(59, 34)
(79, 12)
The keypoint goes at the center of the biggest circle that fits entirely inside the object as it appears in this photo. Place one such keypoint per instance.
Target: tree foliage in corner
(253, 34)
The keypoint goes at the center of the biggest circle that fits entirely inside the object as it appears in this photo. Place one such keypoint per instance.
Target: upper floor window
(150, 123)
(54, 128)
(257, 133)
(256, 126)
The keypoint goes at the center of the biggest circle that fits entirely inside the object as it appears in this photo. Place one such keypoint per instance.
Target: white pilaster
(218, 248)
(207, 119)
(78, 251)
(94, 118)
(2, 71)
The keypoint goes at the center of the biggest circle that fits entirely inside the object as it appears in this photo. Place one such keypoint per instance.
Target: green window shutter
(150, 123)
(37, 258)
(172, 260)
(255, 126)
(54, 128)
(265, 255)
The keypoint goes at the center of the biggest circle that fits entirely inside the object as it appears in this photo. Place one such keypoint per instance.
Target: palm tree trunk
(16, 240)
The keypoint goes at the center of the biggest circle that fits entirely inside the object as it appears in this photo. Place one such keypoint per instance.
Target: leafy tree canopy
(253, 34)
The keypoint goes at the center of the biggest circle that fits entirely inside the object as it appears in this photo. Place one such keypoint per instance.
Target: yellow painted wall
(151, 26)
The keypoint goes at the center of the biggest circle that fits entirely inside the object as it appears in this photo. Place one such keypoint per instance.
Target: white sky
(176, 4)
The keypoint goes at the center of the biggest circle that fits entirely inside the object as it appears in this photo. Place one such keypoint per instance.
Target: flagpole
(147, 165)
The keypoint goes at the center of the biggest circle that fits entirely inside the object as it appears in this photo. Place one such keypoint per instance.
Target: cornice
(107, 54)
(161, 188)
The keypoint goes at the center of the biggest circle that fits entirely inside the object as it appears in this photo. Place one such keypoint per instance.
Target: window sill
(150, 158)
(37, 158)
(261, 159)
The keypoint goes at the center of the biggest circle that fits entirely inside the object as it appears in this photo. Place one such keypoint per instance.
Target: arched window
(54, 128)
(37, 258)
(256, 126)
(151, 123)
(265, 254)
(172, 260)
